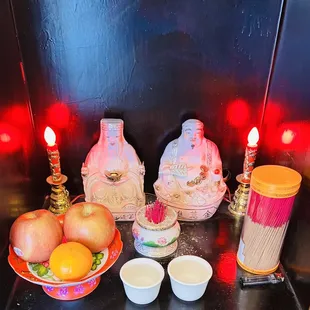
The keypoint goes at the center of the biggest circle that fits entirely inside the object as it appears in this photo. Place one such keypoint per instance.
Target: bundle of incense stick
(156, 212)
(264, 230)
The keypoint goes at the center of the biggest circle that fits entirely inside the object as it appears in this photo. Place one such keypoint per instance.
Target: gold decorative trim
(198, 180)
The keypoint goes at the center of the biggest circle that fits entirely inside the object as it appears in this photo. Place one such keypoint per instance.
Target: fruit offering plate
(40, 273)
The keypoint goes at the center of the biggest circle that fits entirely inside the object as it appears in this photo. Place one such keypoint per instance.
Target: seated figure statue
(190, 174)
(113, 174)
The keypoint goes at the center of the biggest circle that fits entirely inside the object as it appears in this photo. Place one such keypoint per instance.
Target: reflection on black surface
(253, 299)
(226, 268)
(176, 303)
(132, 306)
(238, 114)
(223, 291)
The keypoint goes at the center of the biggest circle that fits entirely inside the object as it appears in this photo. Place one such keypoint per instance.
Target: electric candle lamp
(59, 198)
(49, 136)
(53, 154)
(240, 200)
(250, 155)
(253, 137)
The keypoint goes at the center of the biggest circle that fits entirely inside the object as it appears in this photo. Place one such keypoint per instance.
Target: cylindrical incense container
(272, 194)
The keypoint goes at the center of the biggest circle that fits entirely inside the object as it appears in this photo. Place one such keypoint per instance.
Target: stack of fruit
(70, 250)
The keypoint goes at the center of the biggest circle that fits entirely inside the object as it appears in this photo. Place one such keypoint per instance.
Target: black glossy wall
(152, 63)
(286, 132)
(16, 137)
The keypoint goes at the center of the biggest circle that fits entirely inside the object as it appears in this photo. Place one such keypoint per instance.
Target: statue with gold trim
(190, 174)
(113, 175)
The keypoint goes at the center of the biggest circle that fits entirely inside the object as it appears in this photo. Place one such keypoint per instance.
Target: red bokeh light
(18, 115)
(226, 268)
(16, 130)
(273, 115)
(5, 138)
(287, 136)
(294, 135)
(223, 235)
(10, 138)
(58, 115)
(238, 113)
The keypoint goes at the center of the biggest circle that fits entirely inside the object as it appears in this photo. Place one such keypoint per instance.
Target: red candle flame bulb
(250, 155)
(253, 137)
(49, 136)
(53, 154)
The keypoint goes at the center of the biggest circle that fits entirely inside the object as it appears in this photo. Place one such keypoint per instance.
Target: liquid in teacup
(189, 271)
(141, 275)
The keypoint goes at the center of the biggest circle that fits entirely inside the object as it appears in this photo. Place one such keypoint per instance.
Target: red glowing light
(238, 113)
(293, 136)
(287, 136)
(274, 114)
(253, 137)
(10, 138)
(227, 268)
(223, 235)
(49, 136)
(17, 115)
(16, 131)
(4, 137)
(59, 115)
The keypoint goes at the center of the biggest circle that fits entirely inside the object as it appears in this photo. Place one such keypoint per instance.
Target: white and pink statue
(190, 174)
(113, 174)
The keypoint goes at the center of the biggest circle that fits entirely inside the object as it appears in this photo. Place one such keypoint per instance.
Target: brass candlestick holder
(59, 201)
(239, 203)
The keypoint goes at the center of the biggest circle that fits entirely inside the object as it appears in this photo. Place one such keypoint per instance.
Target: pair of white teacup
(142, 278)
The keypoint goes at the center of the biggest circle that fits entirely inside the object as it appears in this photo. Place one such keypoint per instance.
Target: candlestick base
(59, 201)
(240, 200)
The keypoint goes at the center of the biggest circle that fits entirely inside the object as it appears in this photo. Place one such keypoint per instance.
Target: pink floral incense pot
(156, 230)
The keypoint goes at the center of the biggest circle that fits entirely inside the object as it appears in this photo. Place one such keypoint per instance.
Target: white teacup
(189, 276)
(142, 279)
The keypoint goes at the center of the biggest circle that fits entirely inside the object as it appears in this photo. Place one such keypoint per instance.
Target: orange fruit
(71, 261)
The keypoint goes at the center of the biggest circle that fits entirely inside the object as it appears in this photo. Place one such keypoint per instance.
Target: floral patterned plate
(42, 275)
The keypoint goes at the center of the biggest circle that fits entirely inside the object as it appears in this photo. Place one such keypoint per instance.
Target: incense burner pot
(156, 240)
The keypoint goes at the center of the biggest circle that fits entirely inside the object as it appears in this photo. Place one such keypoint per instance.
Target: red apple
(34, 235)
(91, 224)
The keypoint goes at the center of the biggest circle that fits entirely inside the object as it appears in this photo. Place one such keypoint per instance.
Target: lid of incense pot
(168, 222)
(275, 181)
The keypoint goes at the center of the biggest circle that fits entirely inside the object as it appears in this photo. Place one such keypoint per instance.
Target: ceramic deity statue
(190, 174)
(113, 174)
